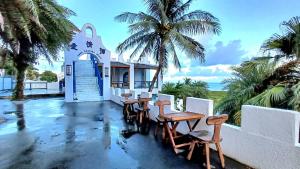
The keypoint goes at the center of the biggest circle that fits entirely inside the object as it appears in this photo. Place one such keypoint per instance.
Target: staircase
(86, 82)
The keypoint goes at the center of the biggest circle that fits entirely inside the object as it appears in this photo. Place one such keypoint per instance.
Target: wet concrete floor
(52, 134)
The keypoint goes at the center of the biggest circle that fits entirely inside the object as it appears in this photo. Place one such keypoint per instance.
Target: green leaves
(272, 97)
(295, 101)
(187, 88)
(288, 44)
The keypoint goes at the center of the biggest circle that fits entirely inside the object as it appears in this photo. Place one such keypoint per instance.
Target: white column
(69, 96)
(131, 77)
(159, 81)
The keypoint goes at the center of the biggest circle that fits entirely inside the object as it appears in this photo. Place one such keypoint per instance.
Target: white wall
(266, 139)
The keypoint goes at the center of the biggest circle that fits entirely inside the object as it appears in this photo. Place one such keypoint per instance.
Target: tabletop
(130, 101)
(182, 116)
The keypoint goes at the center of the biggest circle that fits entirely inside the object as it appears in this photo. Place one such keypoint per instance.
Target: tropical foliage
(187, 88)
(32, 28)
(8, 66)
(32, 73)
(48, 76)
(272, 81)
(166, 28)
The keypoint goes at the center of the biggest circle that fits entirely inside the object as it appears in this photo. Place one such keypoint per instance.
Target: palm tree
(165, 28)
(288, 44)
(30, 29)
(243, 86)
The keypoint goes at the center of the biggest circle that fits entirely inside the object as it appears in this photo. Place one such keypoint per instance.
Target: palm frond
(270, 97)
(194, 27)
(295, 101)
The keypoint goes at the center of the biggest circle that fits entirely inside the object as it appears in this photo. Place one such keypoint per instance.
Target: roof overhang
(116, 64)
(144, 66)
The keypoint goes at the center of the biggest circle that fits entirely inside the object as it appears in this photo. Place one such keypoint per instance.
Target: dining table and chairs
(169, 122)
(194, 137)
(128, 107)
(136, 110)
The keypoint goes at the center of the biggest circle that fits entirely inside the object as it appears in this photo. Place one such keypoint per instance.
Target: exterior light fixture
(69, 70)
(106, 71)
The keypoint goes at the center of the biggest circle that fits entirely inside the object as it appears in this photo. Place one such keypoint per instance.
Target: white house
(91, 73)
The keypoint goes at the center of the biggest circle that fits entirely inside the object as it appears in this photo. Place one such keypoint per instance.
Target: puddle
(56, 115)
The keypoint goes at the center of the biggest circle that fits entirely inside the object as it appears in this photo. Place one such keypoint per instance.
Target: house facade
(91, 74)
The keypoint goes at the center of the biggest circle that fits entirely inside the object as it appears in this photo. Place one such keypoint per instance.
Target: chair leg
(191, 150)
(207, 155)
(163, 134)
(156, 129)
(221, 156)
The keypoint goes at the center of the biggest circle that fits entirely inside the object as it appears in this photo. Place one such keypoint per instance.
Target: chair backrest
(217, 121)
(144, 102)
(161, 105)
(126, 95)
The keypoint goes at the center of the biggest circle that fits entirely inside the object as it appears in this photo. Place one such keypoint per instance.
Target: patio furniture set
(169, 123)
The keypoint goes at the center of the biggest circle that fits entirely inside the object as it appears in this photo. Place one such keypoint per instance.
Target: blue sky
(245, 25)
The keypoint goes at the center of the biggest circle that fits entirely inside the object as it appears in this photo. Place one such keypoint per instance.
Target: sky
(246, 24)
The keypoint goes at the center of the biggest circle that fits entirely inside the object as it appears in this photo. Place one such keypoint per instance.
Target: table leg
(174, 126)
(167, 128)
(194, 126)
(189, 125)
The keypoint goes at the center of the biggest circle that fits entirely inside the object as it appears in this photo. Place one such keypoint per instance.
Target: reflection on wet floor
(52, 134)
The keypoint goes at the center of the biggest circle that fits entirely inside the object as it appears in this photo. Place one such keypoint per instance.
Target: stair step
(86, 82)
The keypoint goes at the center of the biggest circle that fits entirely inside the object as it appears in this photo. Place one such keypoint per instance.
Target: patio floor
(52, 134)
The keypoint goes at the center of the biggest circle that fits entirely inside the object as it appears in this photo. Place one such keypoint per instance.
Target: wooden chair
(126, 95)
(207, 138)
(127, 108)
(161, 105)
(143, 116)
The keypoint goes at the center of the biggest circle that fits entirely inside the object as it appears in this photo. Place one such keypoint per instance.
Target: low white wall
(53, 85)
(267, 138)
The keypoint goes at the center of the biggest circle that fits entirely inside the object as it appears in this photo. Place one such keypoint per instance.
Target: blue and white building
(92, 75)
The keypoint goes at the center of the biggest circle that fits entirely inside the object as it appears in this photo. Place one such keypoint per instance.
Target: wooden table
(175, 119)
(128, 109)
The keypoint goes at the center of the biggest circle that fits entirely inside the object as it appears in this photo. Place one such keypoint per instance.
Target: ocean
(216, 86)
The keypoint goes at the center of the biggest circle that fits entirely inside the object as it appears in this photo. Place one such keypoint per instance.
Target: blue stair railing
(97, 74)
(74, 81)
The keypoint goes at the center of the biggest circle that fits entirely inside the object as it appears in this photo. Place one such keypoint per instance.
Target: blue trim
(74, 79)
(97, 74)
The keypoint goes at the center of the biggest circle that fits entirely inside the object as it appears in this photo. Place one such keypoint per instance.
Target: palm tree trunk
(158, 70)
(19, 88)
